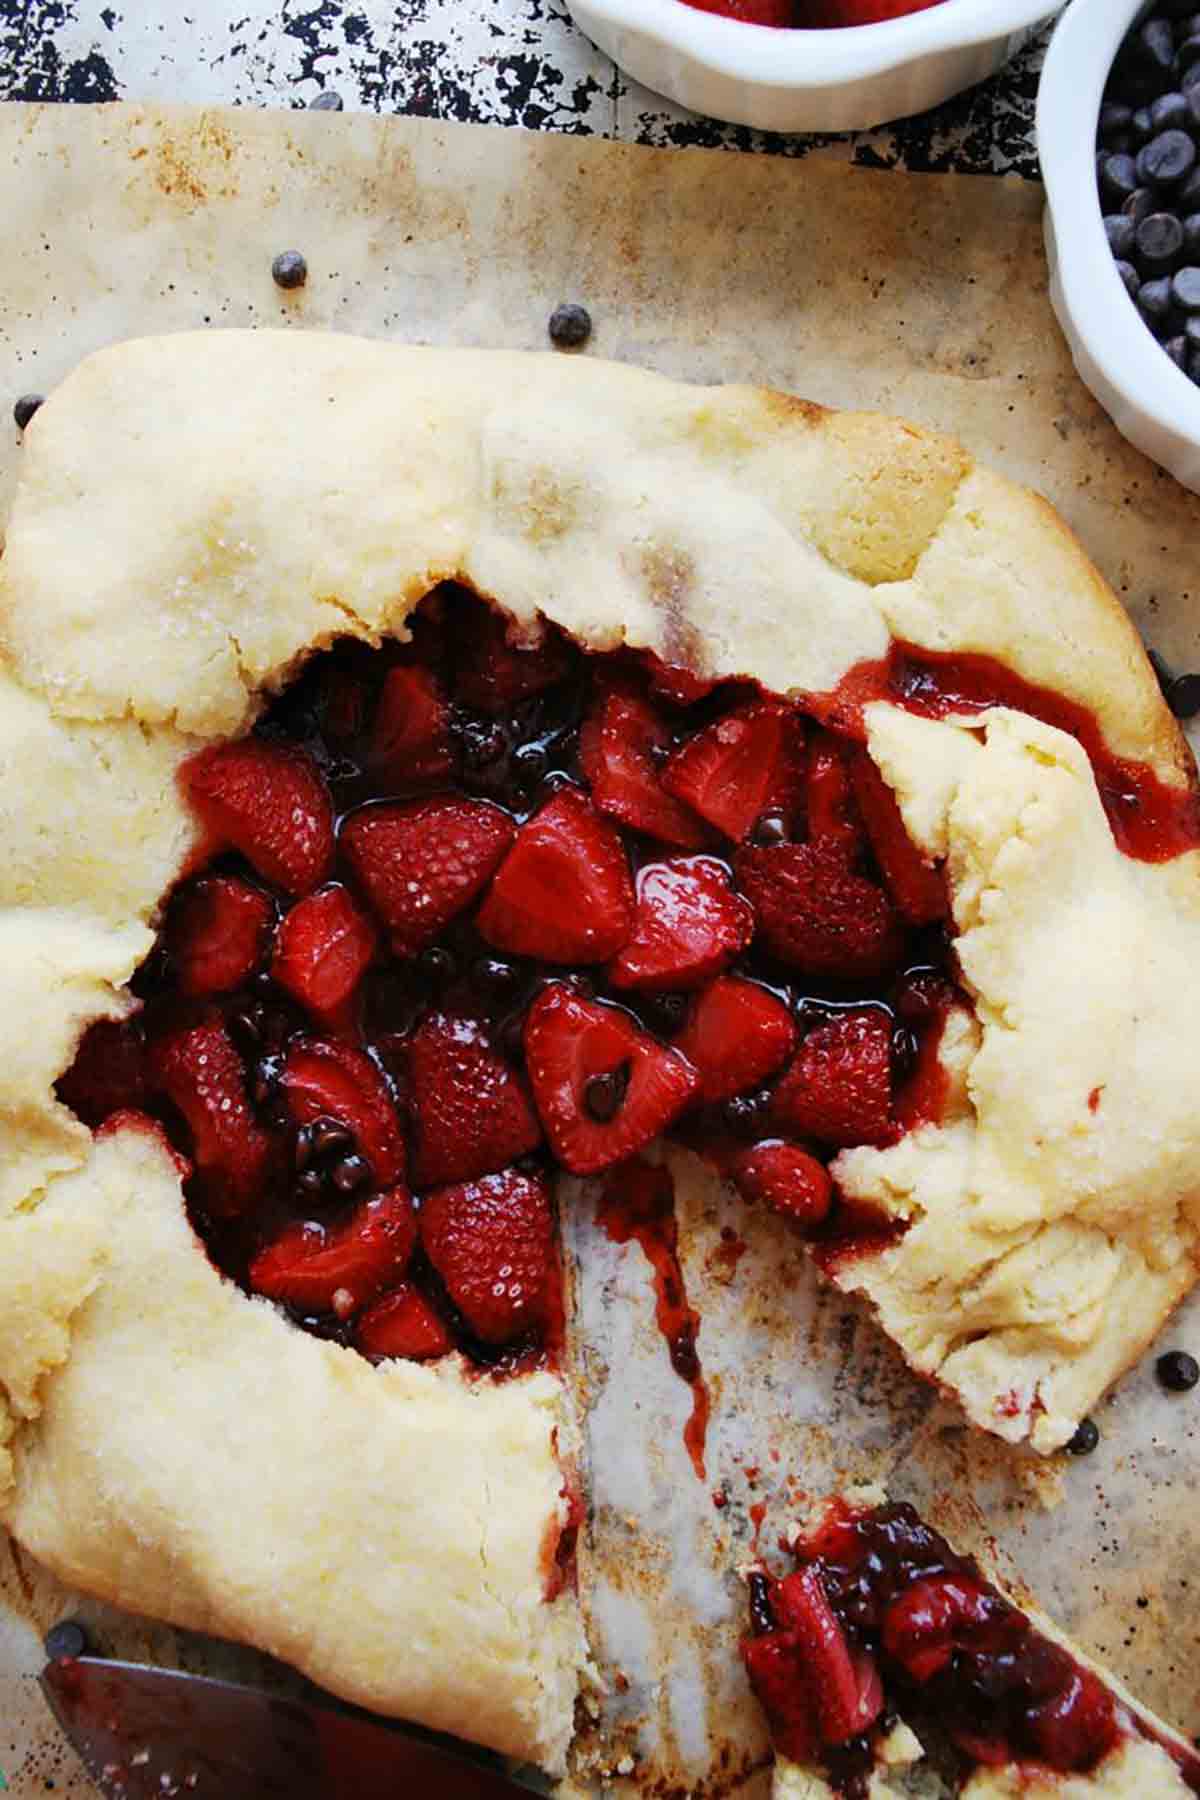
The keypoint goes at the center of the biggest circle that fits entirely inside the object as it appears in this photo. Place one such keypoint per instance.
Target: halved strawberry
(778, 1674)
(404, 1323)
(268, 801)
(217, 933)
(199, 1069)
(492, 1242)
(323, 949)
(839, 1086)
(494, 674)
(846, 1690)
(745, 764)
(338, 1268)
(423, 863)
(786, 1179)
(617, 748)
(563, 892)
(917, 887)
(109, 1073)
(470, 1111)
(603, 1086)
(828, 794)
(410, 738)
(335, 1081)
(816, 914)
(736, 1034)
(689, 925)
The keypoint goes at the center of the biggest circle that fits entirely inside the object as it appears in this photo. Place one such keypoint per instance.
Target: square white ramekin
(837, 80)
(1149, 400)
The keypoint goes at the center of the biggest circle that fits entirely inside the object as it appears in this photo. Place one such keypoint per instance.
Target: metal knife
(143, 1731)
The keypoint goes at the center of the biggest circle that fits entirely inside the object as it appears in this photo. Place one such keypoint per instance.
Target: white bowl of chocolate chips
(1118, 123)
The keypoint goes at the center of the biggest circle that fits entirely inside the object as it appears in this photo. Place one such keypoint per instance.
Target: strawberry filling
(882, 1618)
(482, 905)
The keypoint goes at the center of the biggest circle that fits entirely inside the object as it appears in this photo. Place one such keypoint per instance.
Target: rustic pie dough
(198, 513)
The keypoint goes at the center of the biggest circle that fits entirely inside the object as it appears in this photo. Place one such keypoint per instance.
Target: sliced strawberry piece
(689, 925)
(785, 1178)
(779, 1676)
(404, 1323)
(829, 794)
(410, 739)
(268, 801)
(839, 1087)
(471, 1113)
(109, 1073)
(603, 1086)
(492, 1243)
(927, 1622)
(816, 914)
(494, 674)
(918, 889)
(1075, 1727)
(737, 1033)
(675, 682)
(745, 764)
(217, 933)
(337, 1269)
(846, 1690)
(620, 747)
(563, 892)
(422, 864)
(335, 1081)
(323, 950)
(199, 1069)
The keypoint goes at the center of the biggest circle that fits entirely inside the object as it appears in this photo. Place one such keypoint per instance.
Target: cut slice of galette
(430, 772)
(890, 1665)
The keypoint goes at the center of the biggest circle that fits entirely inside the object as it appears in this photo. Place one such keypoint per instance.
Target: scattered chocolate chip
(437, 965)
(1177, 1371)
(1157, 43)
(762, 1614)
(1139, 205)
(289, 270)
(1183, 696)
(1119, 177)
(67, 1638)
(302, 1149)
(1087, 1436)
(1120, 231)
(1177, 349)
(769, 828)
(484, 742)
(904, 1052)
(745, 1114)
(349, 1173)
(328, 1135)
(496, 975)
(246, 1030)
(1171, 112)
(311, 1183)
(1154, 300)
(25, 407)
(1159, 239)
(1130, 277)
(665, 1013)
(570, 326)
(1167, 158)
(604, 1095)
(1185, 286)
(1141, 125)
(530, 763)
(328, 101)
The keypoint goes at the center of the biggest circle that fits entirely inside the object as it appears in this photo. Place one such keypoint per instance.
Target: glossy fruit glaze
(469, 911)
(881, 1618)
(808, 15)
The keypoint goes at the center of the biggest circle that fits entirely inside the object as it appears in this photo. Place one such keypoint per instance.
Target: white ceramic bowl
(837, 80)
(1149, 400)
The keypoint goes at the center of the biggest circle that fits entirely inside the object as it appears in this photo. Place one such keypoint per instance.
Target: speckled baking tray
(920, 295)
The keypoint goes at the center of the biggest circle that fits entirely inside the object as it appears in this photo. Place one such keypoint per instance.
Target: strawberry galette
(428, 773)
(889, 1665)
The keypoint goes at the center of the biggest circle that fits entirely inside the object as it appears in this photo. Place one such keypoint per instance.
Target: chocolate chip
(25, 407)
(1119, 176)
(328, 1135)
(746, 1114)
(1120, 232)
(1141, 125)
(665, 1013)
(349, 1173)
(302, 1149)
(1177, 1371)
(1156, 41)
(327, 102)
(1171, 112)
(311, 1183)
(604, 1095)
(245, 1029)
(1159, 240)
(1166, 159)
(437, 965)
(66, 1639)
(762, 1615)
(1130, 277)
(484, 742)
(1185, 288)
(495, 974)
(1114, 122)
(1087, 1436)
(570, 326)
(1154, 301)
(1183, 696)
(1177, 348)
(289, 270)
(530, 763)
(1139, 205)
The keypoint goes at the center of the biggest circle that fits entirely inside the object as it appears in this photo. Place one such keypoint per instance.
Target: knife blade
(143, 1731)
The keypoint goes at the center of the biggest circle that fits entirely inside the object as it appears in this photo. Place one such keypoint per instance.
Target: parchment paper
(920, 295)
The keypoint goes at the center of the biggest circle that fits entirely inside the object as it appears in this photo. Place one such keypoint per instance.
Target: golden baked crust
(196, 514)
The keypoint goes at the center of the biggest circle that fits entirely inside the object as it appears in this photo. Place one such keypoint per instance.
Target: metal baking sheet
(918, 295)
